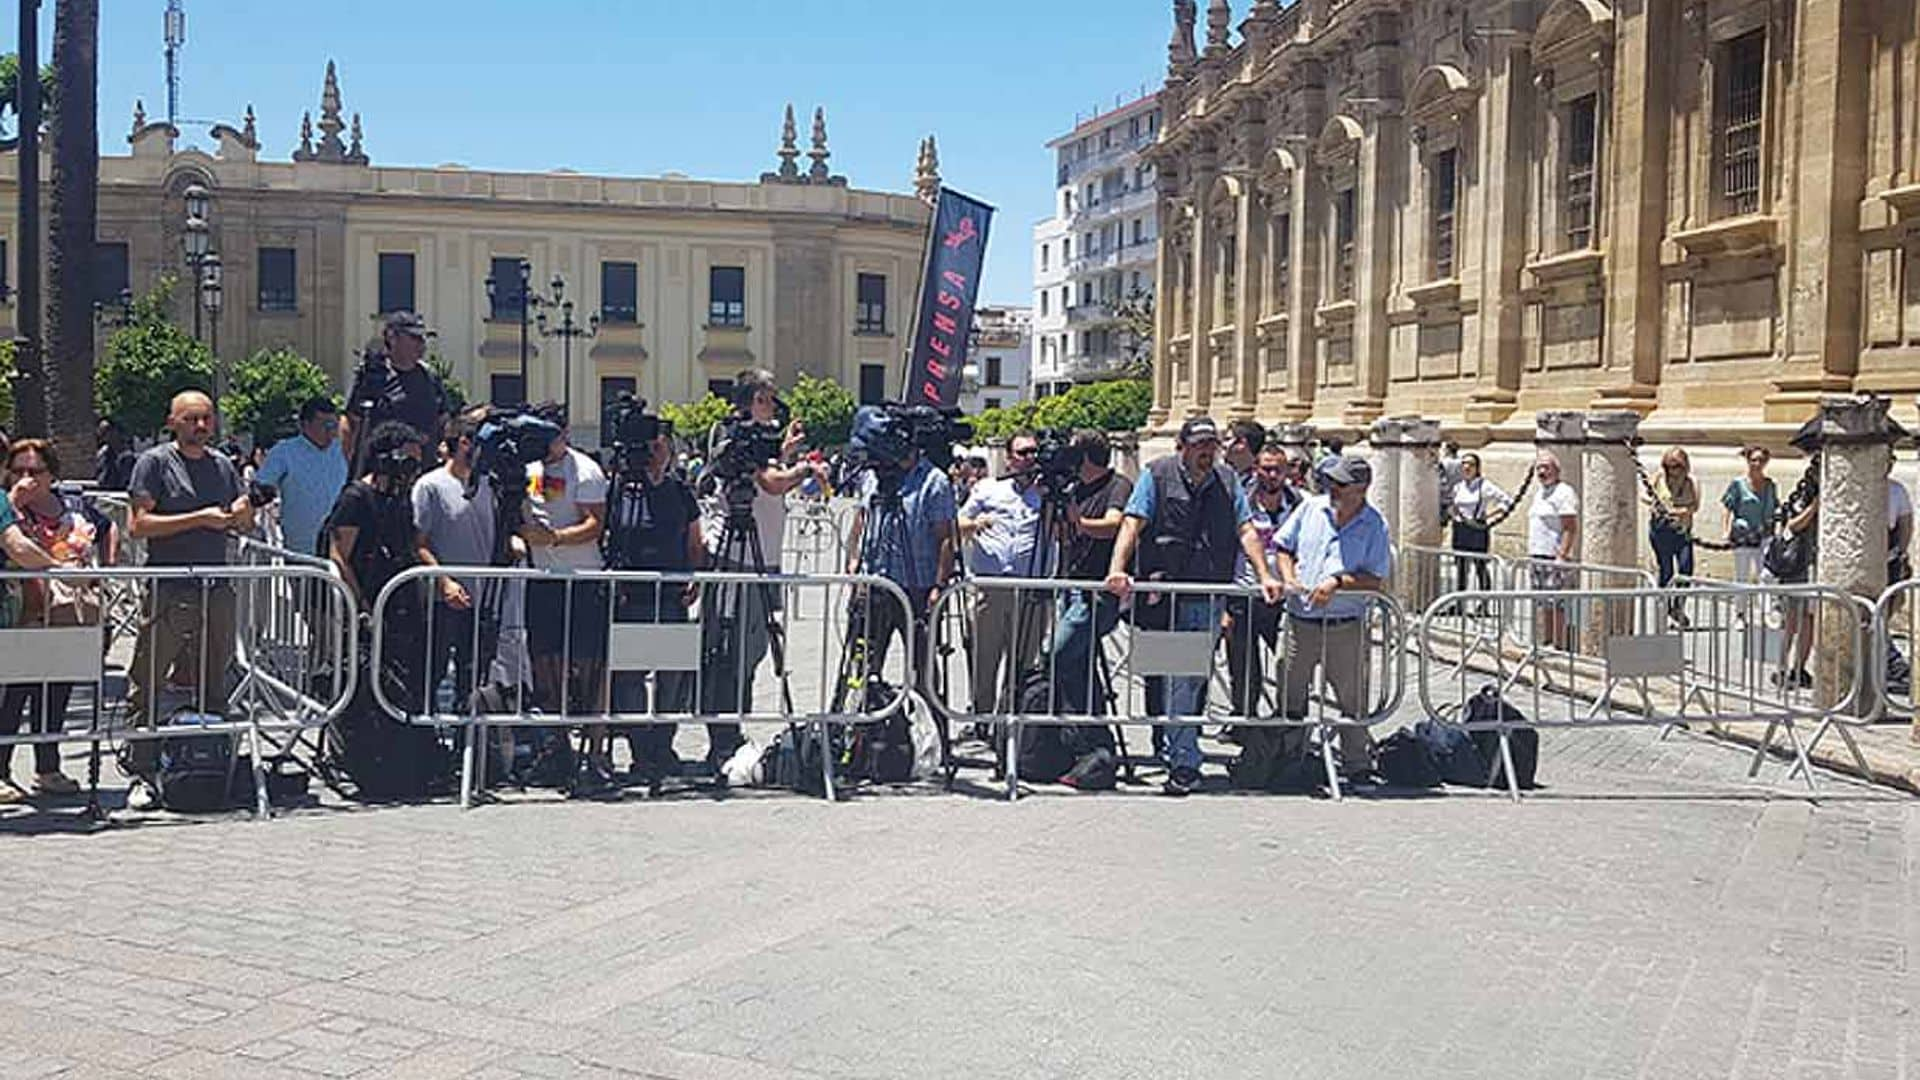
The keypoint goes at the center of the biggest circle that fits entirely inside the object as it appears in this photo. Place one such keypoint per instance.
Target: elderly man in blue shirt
(1001, 525)
(1334, 546)
(309, 470)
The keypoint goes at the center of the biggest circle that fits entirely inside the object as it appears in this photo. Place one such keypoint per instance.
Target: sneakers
(142, 796)
(54, 783)
(11, 795)
(1181, 782)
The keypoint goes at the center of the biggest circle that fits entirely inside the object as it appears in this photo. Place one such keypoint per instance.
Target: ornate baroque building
(1705, 211)
(691, 280)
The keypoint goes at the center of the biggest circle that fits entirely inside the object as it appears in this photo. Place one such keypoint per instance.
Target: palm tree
(72, 250)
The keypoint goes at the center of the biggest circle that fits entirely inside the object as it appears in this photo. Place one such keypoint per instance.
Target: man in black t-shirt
(395, 384)
(1094, 513)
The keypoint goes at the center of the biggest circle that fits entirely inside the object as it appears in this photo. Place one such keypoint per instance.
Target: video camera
(630, 431)
(883, 435)
(508, 441)
(744, 447)
(1058, 461)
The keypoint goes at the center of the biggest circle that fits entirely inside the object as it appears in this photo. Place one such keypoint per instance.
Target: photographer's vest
(1193, 534)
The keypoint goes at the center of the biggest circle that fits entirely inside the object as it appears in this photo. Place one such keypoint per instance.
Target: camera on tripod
(508, 441)
(883, 435)
(745, 446)
(1058, 460)
(630, 433)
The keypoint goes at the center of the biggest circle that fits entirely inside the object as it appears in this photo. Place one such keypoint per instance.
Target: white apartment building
(1001, 360)
(1097, 249)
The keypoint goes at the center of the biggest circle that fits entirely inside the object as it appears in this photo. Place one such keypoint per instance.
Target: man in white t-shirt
(1553, 534)
(566, 620)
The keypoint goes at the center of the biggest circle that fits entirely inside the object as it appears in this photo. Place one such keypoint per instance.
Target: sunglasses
(33, 470)
(1027, 452)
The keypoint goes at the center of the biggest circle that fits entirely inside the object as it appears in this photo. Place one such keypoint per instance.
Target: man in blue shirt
(309, 470)
(1001, 524)
(1333, 547)
(1188, 520)
(908, 542)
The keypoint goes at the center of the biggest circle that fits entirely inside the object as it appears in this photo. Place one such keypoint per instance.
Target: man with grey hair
(1553, 536)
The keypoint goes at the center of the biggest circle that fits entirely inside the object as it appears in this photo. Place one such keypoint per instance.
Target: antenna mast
(176, 37)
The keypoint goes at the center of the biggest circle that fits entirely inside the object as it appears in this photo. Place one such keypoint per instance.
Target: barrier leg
(1800, 754)
(261, 810)
(1506, 760)
(1760, 752)
(826, 761)
(466, 768)
(1013, 759)
(1326, 759)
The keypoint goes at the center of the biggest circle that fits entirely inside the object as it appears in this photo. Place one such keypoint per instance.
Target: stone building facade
(1703, 212)
(691, 280)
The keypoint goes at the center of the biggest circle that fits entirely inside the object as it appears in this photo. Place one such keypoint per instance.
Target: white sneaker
(141, 796)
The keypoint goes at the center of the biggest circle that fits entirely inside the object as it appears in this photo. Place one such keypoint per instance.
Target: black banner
(957, 245)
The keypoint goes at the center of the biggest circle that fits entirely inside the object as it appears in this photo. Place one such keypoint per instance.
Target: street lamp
(566, 332)
(197, 238)
(210, 290)
(113, 314)
(526, 300)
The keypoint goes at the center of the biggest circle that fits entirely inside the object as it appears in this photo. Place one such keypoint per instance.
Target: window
(619, 292)
(1066, 248)
(1282, 241)
(1136, 281)
(1582, 149)
(1142, 176)
(1066, 298)
(1744, 88)
(1343, 245)
(1229, 278)
(1093, 196)
(993, 371)
(111, 264)
(506, 390)
(1139, 230)
(1133, 129)
(396, 282)
(611, 387)
(1106, 139)
(1043, 256)
(277, 291)
(873, 384)
(1086, 292)
(1045, 295)
(727, 296)
(870, 316)
(993, 403)
(1441, 192)
(506, 302)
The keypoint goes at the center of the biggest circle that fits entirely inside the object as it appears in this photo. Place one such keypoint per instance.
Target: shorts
(548, 619)
(1551, 578)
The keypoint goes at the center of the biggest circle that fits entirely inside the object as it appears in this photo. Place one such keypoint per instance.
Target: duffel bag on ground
(1523, 742)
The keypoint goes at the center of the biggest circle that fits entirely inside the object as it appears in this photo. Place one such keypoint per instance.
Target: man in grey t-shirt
(186, 499)
(453, 529)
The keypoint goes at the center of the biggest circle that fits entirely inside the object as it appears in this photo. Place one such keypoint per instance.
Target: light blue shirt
(907, 552)
(1004, 547)
(1321, 549)
(309, 480)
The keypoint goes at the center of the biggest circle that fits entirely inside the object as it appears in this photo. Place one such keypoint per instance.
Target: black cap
(407, 322)
(1341, 469)
(1198, 428)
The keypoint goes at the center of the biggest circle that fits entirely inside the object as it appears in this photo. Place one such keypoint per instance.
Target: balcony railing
(1090, 314)
(1126, 201)
(1101, 159)
(1082, 367)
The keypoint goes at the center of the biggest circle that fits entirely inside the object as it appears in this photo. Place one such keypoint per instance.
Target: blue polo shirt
(910, 557)
(1321, 549)
(309, 480)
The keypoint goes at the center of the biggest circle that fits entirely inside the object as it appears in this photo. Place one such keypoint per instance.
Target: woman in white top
(1553, 532)
(1475, 498)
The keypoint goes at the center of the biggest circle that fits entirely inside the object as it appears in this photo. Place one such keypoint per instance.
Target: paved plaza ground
(1650, 913)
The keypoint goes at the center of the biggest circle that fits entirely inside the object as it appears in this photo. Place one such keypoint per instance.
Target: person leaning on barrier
(1799, 518)
(186, 501)
(1336, 543)
(1186, 521)
(394, 383)
(915, 552)
(1250, 623)
(1670, 530)
(60, 534)
(1095, 510)
(566, 621)
(1553, 535)
(1751, 502)
(308, 470)
(1000, 524)
(454, 518)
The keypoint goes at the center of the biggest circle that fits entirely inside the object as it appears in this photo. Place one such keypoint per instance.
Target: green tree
(1113, 405)
(456, 390)
(692, 422)
(1136, 332)
(825, 408)
(148, 361)
(1002, 422)
(10, 93)
(265, 392)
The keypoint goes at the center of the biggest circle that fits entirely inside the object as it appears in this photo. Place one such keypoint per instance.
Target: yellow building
(690, 280)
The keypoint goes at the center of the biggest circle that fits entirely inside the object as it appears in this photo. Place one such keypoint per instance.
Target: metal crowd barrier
(1163, 634)
(167, 660)
(652, 648)
(815, 541)
(1707, 653)
(1896, 629)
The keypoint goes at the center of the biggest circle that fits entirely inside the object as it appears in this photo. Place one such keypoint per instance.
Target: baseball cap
(1198, 428)
(407, 322)
(1342, 469)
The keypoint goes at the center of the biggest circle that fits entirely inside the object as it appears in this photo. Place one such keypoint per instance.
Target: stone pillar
(1644, 85)
(1610, 521)
(1163, 300)
(1856, 439)
(1303, 345)
(1387, 435)
(1417, 577)
(1199, 348)
(1293, 437)
(1249, 260)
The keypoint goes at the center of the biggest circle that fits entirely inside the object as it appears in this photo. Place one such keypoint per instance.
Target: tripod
(740, 548)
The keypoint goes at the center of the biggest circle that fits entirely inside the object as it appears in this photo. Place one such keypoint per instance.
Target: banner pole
(919, 288)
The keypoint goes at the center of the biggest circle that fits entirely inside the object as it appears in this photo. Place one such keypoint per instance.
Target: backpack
(1406, 761)
(195, 773)
(1080, 754)
(1488, 707)
(882, 751)
(1453, 752)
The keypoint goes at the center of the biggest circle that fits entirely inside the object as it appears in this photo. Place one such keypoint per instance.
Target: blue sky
(649, 86)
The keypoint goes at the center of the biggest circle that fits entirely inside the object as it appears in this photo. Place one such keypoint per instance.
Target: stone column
(1199, 348)
(1249, 260)
(1856, 439)
(1417, 577)
(1310, 216)
(1163, 300)
(1296, 437)
(1610, 521)
(1387, 436)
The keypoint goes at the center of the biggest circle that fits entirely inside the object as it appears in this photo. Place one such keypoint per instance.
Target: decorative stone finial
(818, 173)
(1218, 16)
(1180, 54)
(139, 115)
(305, 152)
(789, 147)
(248, 129)
(355, 155)
(330, 147)
(926, 172)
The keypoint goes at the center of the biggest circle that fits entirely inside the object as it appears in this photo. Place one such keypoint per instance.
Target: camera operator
(1000, 523)
(393, 383)
(1187, 520)
(654, 524)
(917, 555)
(1094, 512)
(454, 515)
(566, 621)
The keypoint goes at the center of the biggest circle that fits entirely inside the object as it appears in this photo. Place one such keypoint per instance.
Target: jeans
(44, 708)
(1182, 695)
(1085, 621)
(1672, 552)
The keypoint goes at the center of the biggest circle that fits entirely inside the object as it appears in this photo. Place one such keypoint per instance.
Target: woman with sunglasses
(59, 535)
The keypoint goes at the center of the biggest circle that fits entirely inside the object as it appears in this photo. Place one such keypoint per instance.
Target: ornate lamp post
(521, 292)
(210, 298)
(197, 239)
(566, 331)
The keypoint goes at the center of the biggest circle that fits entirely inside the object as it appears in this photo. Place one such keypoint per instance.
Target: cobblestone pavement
(1650, 914)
